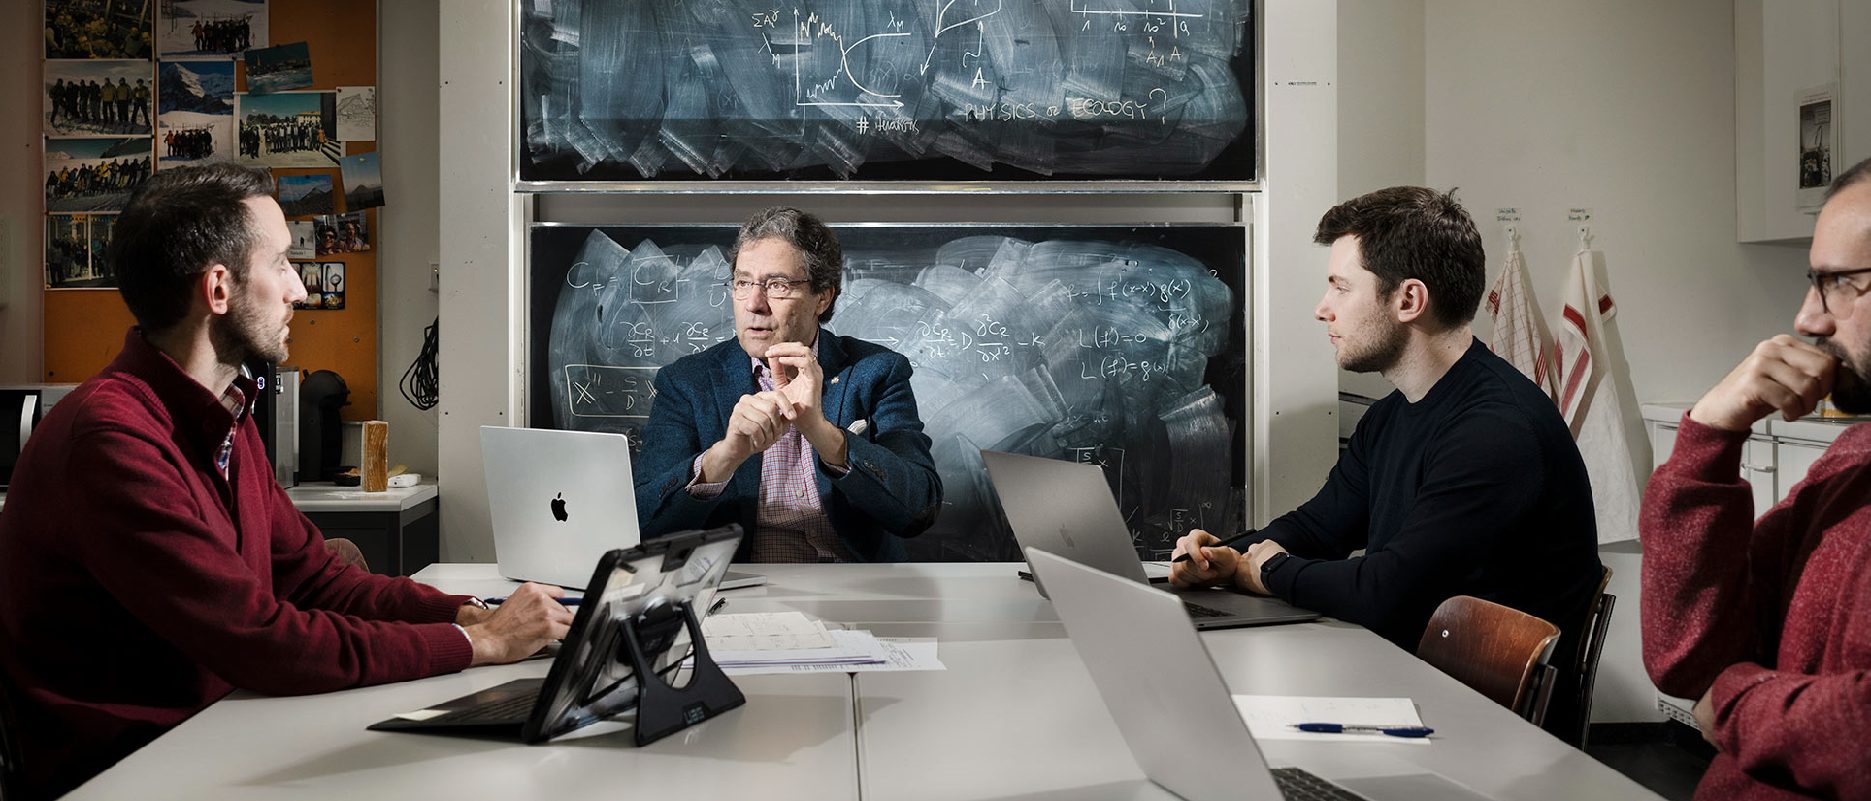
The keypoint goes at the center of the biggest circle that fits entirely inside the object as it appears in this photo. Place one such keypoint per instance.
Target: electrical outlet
(435, 277)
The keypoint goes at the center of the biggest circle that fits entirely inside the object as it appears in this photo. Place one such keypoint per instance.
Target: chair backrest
(1591, 646)
(1500, 652)
(347, 552)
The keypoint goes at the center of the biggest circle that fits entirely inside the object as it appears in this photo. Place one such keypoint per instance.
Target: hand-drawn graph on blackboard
(1120, 346)
(911, 90)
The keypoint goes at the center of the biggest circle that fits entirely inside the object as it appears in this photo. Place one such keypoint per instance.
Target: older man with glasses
(1768, 621)
(844, 470)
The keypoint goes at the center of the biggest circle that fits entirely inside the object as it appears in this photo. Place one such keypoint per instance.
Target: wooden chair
(1591, 646)
(1502, 653)
(347, 552)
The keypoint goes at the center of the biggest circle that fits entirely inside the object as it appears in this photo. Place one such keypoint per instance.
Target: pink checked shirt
(791, 525)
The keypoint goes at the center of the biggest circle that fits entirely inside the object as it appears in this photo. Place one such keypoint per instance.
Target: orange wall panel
(84, 328)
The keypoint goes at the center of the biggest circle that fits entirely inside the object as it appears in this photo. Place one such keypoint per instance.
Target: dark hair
(1412, 232)
(825, 260)
(1856, 174)
(177, 224)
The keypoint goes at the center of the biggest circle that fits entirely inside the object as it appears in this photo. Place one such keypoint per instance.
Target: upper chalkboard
(1123, 346)
(886, 90)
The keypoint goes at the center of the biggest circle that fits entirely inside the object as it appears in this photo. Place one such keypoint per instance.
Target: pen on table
(569, 600)
(1341, 728)
(1227, 543)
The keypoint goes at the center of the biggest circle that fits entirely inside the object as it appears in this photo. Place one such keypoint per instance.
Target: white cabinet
(1794, 458)
(1761, 467)
(1783, 48)
(1776, 457)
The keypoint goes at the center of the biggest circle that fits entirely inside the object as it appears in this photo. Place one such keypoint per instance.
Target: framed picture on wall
(195, 111)
(1816, 114)
(94, 174)
(92, 29)
(211, 27)
(77, 250)
(98, 98)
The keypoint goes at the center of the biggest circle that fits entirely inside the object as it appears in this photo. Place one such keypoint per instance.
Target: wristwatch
(1267, 567)
(476, 602)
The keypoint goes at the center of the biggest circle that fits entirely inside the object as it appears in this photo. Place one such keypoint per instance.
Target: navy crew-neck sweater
(1476, 489)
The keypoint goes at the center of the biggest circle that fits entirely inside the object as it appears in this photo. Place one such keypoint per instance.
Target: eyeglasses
(1832, 285)
(776, 288)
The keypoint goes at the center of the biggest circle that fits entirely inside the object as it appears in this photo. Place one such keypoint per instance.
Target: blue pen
(1341, 728)
(569, 600)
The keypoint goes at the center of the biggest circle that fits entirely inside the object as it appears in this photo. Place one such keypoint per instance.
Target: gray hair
(824, 258)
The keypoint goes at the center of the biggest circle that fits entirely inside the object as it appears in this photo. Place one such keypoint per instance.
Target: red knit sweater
(1774, 614)
(137, 586)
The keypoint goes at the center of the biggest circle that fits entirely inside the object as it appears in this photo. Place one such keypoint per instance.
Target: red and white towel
(1590, 400)
(1520, 333)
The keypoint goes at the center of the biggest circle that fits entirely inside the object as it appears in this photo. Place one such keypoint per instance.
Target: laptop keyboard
(505, 710)
(1198, 610)
(1298, 785)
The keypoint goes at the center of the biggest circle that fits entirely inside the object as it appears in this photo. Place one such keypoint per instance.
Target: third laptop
(1067, 509)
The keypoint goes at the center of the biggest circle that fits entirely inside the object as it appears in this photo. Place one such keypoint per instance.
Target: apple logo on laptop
(558, 508)
(1067, 537)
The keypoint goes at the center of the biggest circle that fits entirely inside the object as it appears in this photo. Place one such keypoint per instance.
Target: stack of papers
(789, 642)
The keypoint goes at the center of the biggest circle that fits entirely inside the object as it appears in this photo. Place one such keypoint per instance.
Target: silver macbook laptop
(1067, 509)
(559, 500)
(1167, 697)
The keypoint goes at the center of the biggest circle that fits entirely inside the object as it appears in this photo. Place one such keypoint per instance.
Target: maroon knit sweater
(137, 586)
(1775, 615)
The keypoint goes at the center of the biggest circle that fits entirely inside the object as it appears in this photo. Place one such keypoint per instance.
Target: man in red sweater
(1769, 622)
(149, 564)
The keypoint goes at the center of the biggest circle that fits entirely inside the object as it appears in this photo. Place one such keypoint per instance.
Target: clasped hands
(761, 418)
(1209, 565)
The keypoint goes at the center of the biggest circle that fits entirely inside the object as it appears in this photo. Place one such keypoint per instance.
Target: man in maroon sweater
(148, 562)
(1769, 622)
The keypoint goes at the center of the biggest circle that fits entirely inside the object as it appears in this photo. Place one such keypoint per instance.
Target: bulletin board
(84, 328)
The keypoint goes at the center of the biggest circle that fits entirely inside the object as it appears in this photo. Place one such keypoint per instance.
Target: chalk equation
(886, 89)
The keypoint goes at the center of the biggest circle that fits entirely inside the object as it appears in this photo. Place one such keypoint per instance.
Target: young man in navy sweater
(149, 564)
(1464, 481)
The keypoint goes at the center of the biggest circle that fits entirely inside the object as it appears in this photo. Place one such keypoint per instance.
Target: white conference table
(1015, 716)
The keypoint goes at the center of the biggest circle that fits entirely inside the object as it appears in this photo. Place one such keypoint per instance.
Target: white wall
(1380, 117)
(408, 91)
(22, 257)
(1626, 108)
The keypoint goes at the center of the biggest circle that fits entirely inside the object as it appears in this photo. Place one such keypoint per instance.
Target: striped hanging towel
(1592, 403)
(1520, 333)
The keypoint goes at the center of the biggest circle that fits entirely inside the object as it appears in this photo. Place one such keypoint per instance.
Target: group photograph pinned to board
(363, 181)
(94, 174)
(306, 195)
(194, 111)
(324, 285)
(279, 69)
(75, 251)
(97, 98)
(287, 129)
(97, 29)
(209, 27)
(304, 236)
(342, 233)
(357, 113)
